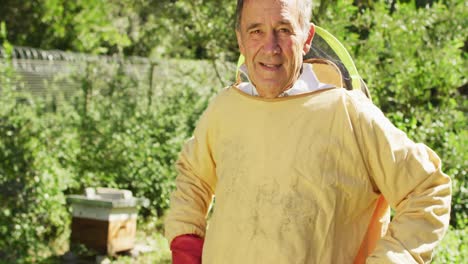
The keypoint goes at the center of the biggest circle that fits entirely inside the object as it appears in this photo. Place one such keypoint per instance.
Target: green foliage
(32, 214)
(137, 144)
(107, 135)
(82, 25)
(453, 248)
(110, 135)
(201, 29)
(160, 28)
(87, 25)
(121, 140)
(6, 67)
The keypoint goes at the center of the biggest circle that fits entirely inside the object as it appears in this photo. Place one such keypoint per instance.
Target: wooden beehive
(104, 219)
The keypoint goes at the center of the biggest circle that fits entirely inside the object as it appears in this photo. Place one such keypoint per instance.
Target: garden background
(119, 129)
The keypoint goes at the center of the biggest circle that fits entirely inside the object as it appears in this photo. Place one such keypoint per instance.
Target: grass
(149, 234)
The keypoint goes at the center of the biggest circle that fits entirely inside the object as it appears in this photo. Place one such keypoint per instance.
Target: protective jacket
(307, 179)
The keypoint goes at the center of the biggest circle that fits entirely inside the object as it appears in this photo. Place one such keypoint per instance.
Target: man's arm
(195, 186)
(409, 176)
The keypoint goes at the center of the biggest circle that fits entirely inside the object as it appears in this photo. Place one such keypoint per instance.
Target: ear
(239, 42)
(308, 41)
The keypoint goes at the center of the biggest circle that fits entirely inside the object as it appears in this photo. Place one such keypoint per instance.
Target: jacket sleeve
(195, 185)
(409, 176)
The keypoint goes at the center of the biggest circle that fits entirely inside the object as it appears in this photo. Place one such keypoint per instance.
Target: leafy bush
(32, 215)
(125, 141)
(453, 248)
(31, 186)
(109, 134)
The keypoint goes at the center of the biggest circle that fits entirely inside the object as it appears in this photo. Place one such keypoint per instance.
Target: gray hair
(305, 13)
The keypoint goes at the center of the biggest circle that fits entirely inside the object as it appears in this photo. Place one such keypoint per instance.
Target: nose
(271, 44)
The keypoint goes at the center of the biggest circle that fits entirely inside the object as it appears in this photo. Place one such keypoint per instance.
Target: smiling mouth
(270, 66)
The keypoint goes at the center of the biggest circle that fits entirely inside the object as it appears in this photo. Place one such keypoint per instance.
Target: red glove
(187, 249)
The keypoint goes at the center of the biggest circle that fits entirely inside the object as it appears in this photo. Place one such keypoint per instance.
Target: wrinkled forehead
(258, 9)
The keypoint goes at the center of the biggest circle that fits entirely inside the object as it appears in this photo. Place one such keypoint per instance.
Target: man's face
(273, 43)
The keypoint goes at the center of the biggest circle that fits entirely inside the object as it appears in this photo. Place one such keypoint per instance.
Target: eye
(284, 30)
(255, 31)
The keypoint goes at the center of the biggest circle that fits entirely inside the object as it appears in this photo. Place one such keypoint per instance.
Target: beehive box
(104, 219)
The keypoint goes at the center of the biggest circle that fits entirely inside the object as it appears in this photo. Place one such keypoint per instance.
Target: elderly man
(302, 172)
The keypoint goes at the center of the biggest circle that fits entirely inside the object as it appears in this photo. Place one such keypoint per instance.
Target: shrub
(453, 248)
(118, 136)
(33, 215)
(108, 134)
